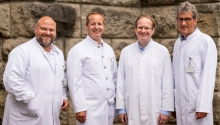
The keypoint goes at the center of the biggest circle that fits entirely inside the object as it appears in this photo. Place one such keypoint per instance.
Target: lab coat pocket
(61, 101)
(111, 101)
(90, 67)
(110, 63)
(91, 100)
(31, 109)
(59, 105)
(127, 101)
(194, 61)
(194, 94)
(157, 115)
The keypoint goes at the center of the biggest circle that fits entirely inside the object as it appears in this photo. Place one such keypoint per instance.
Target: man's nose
(47, 31)
(183, 22)
(96, 25)
(143, 29)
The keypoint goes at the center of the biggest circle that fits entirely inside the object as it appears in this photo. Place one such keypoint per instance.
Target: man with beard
(91, 69)
(34, 79)
(194, 68)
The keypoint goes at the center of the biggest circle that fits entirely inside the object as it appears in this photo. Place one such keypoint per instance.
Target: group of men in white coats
(147, 83)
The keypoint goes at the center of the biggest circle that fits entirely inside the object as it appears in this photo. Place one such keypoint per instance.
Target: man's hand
(200, 115)
(123, 118)
(162, 119)
(65, 105)
(173, 114)
(81, 116)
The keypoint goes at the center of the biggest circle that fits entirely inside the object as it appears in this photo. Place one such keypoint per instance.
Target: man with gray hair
(194, 68)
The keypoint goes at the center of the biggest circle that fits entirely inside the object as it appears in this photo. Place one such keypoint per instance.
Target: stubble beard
(45, 43)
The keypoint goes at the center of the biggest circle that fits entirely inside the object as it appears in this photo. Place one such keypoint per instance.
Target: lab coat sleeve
(74, 74)
(120, 91)
(206, 89)
(167, 95)
(14, 75)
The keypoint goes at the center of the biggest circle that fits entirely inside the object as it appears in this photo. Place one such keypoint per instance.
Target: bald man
(34, 79)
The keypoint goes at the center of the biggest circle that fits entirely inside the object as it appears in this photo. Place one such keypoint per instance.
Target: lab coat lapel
(57, 62)
(147, 53)
(43, 52)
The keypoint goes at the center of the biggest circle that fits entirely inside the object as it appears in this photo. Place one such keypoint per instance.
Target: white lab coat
(35, 93)
(144, 83)
(194, 90)
(91, 72)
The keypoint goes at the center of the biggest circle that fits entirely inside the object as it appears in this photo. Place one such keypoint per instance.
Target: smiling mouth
(184, 27)
(143, 34)
(96, 31)
(46, 38)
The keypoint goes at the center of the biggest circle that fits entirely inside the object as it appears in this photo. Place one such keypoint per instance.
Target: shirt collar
(53, 47)
(141, 48)
(182, 37)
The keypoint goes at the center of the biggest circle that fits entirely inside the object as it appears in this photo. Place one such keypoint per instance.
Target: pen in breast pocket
(110, 59)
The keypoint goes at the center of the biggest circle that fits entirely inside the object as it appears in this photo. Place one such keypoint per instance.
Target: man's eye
(43, 29)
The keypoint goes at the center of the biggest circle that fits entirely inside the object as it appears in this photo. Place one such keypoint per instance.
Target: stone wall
(17, 19)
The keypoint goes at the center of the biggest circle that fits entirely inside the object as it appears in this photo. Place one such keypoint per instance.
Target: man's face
(186, 23)
(95, 26)
(45, 31)
(144, 29)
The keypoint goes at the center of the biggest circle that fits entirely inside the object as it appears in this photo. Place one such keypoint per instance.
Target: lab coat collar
(191, 35)
(93, 41)
(42, 49)
(141, 48)
(151, 41)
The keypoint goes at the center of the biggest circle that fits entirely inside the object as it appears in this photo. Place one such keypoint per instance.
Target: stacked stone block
(18, 17)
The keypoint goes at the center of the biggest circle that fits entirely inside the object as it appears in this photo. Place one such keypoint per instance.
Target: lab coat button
(107, 88)
(106, 78)
(104, 67)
